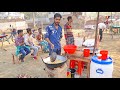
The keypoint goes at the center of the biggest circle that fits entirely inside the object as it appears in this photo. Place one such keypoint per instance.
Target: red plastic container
(70, 49)
(104, 54)
(99, 56)
(80, 67)
(72, 64)
(79, 64)
(86, 52)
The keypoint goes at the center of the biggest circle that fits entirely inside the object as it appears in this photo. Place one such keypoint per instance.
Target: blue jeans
(36, 49)
(24, 51)
(58, 51)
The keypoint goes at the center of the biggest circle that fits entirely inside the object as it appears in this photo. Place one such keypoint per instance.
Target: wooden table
(117, 28)
(84, 59)
(78, 57)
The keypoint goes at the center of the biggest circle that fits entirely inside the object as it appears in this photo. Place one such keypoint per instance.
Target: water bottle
(73, 73)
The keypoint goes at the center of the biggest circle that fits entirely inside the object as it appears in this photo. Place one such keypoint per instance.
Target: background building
(11, 15)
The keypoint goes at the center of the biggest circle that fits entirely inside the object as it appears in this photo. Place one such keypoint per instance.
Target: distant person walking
(101, 27)
(13, 33)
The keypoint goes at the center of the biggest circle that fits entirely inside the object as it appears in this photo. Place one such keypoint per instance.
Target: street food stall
(115, 29)
(83, 55)
(115, 26)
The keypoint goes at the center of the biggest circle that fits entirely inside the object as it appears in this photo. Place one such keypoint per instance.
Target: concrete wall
(21, 25)
(17, 25)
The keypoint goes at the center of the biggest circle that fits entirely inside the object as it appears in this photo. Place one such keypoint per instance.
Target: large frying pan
(52, 66)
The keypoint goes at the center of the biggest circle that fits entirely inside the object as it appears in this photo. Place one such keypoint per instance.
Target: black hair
(57, 15)
(40, 28)
(69, 17)
(28, 30)
(14, 29)
(19, 31)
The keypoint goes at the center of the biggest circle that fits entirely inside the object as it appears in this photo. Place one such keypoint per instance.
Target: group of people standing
(54, 33)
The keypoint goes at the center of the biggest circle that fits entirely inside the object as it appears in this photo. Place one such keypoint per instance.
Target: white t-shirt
(28, 39)
(101, 26)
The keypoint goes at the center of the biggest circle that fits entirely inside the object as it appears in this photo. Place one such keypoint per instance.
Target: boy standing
(54, 34)
(68, 32)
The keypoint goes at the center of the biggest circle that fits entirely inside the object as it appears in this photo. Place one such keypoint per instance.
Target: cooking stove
(59, 72)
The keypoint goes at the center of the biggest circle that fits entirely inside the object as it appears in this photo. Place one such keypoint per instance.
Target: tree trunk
(33, 19)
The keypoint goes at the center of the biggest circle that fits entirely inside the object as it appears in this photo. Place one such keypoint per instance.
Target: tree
(29, 15)
(77, 14)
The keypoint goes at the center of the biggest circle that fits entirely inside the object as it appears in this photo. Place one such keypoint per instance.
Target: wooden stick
(96, 34)
(33, 19)
(13, 58)
(2, 44)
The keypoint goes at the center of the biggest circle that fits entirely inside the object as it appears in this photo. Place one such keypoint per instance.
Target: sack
(78, 41)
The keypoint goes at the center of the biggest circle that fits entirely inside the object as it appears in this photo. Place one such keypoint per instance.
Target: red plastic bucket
(70, 49)
(86, 52)
(104, 54)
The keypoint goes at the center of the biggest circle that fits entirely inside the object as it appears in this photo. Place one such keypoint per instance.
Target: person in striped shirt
(68, 32)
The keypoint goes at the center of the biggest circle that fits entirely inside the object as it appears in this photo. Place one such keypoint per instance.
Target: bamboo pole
(96, 34)
(33, 19)
(42, 25)
(111, 26)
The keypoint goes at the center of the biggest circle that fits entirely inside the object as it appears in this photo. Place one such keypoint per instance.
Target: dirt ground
(35, 68)
(112, 45)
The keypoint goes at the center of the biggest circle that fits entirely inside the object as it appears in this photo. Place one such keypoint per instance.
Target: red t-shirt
(68, 34)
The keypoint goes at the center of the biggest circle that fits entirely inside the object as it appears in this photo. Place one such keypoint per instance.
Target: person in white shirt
(101, 27)
(29, 42)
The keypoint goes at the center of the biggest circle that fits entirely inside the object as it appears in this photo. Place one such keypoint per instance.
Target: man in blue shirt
(54, 34)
